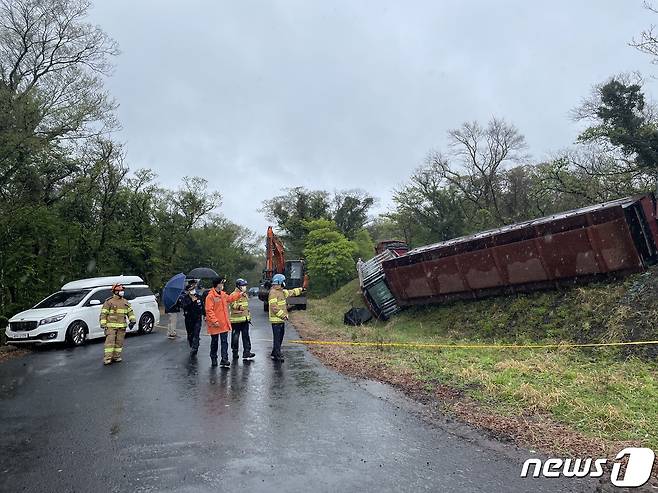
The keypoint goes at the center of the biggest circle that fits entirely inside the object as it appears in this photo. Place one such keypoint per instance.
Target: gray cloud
(259, 96)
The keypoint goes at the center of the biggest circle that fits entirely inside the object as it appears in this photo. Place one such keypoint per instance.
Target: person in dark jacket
(193, 311)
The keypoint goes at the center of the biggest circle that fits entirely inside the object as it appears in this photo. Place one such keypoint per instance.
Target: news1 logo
(637, 471)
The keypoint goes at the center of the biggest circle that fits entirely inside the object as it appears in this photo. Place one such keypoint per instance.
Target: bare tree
(586, 175)
(52, 58)
(482, 153)
(648, 41)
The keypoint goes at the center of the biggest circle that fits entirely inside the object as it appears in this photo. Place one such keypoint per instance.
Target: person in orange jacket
(218, 319)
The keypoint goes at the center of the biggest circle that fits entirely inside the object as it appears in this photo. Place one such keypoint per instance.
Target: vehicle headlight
(53, 319)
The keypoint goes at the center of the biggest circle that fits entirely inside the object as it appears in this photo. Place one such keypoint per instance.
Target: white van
(73, 314)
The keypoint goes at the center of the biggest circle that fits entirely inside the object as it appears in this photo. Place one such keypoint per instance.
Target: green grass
(605, 393)
(600, 396)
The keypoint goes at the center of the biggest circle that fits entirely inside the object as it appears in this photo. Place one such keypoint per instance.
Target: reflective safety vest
(277, 303)
(114, 313)
(240, 308)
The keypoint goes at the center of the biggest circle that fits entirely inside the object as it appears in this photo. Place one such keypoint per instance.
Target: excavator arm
(275, 263)
(275, 260)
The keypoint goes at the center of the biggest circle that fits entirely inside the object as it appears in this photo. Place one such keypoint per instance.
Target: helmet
(117, 287)
(279, 279)
(241, 282)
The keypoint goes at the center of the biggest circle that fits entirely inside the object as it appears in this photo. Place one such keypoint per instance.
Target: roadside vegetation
(576, 399)
(71, 206)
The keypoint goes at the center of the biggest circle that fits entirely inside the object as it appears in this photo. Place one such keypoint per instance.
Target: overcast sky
(259, 96)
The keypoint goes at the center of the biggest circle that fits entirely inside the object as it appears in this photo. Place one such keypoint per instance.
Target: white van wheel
(76, 334)
(146, 323)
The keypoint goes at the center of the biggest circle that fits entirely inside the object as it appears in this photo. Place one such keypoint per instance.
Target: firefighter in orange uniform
(218, 320)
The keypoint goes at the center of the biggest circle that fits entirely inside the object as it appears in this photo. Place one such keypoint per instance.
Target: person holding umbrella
(173, 312)
(171, 299)
(217, 319)
(202, 273)
(193, 313)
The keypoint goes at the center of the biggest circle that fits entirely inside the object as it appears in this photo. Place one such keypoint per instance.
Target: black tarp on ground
(357, 316)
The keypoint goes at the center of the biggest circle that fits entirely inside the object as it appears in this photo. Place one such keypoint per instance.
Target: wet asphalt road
(161, 422)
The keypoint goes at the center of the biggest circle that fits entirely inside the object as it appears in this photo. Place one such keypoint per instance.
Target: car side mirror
(94, 302)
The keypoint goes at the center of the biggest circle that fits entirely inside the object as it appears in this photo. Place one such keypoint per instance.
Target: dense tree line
(348, 209)
(327, 229)
(70, 207)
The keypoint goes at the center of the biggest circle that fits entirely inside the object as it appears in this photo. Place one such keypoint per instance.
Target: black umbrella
(202, 273)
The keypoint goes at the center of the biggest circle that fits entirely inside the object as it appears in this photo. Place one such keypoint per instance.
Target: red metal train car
(617, 237)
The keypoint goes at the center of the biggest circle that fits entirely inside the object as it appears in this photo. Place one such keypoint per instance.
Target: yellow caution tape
(472, 346)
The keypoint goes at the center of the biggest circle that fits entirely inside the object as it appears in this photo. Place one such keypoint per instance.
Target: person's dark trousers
(278, 331)
(240, 329)
(214, 340)
(193, 328)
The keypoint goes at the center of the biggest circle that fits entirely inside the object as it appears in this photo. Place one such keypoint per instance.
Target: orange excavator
(275, 263)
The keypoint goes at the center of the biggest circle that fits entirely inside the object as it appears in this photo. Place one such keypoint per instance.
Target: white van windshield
(64, 298)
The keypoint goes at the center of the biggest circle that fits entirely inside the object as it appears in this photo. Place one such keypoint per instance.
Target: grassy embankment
(564, 400)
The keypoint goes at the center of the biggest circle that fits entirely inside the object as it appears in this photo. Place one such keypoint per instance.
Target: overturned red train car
(616, 237)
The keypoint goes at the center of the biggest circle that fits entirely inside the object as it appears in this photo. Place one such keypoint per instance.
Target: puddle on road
(195, 379)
